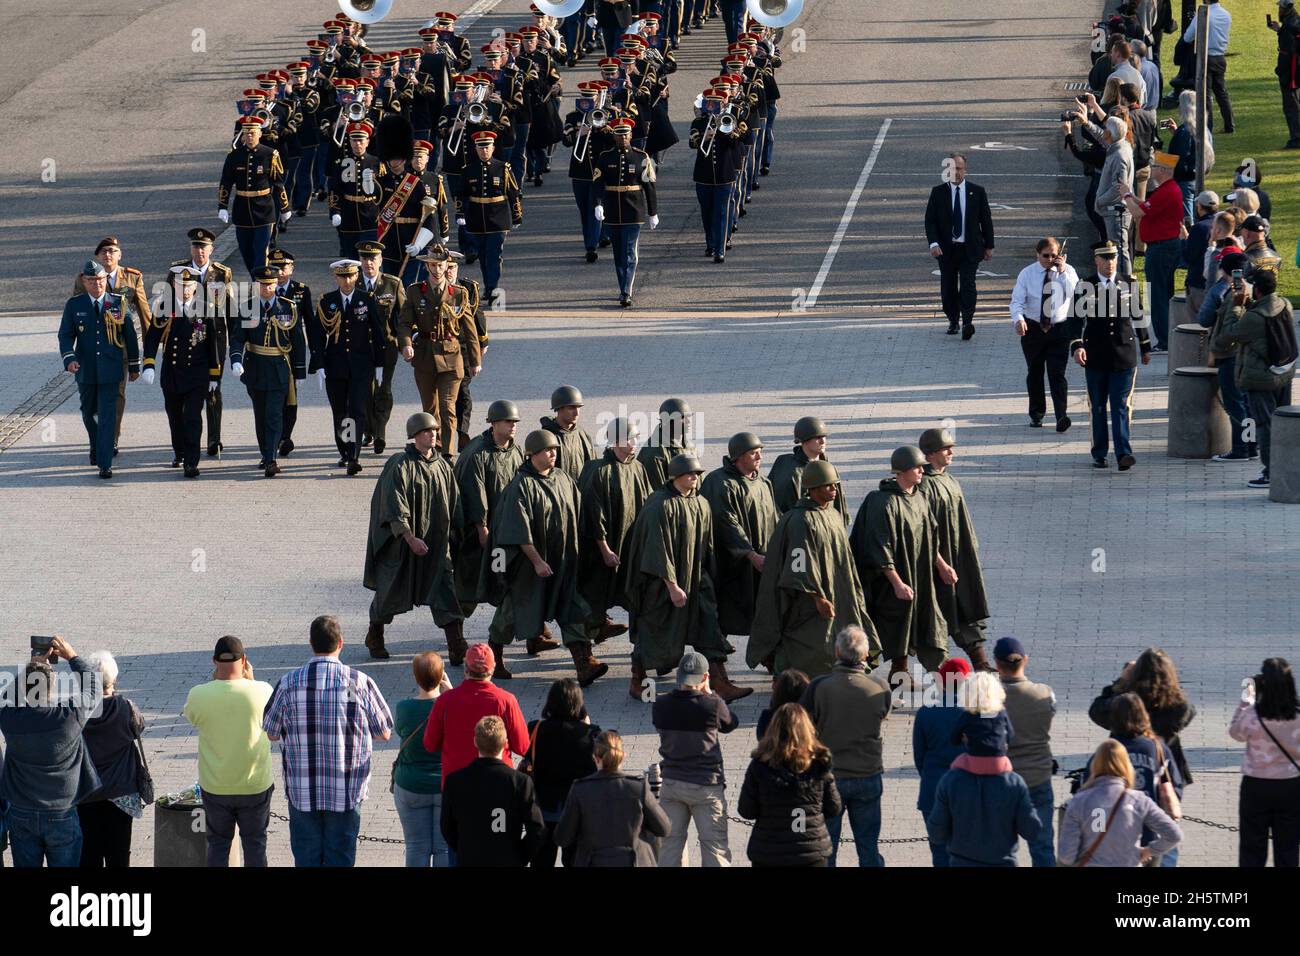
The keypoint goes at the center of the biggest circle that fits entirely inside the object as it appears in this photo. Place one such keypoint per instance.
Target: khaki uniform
(442, 331)
(129, 284)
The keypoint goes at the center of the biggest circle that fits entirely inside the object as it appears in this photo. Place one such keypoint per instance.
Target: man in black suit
(1106, 345)
(959, 227)
(490, 815)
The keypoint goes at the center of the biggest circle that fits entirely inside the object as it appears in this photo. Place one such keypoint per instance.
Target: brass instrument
(457, 132)
(264, 117)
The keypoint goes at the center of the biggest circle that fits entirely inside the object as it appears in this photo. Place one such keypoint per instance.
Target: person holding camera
(1091, 153)
(1116, 179)
(47, 768)
(1259, 324)
(1267, 721)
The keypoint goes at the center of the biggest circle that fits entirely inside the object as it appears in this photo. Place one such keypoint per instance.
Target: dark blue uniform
(273, 350)
(300, 295)
(625, 188)
(715, 179)
(348, 344)
(189, 363)
(101, 338)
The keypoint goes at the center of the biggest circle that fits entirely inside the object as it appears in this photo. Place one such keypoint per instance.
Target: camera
(41, 645)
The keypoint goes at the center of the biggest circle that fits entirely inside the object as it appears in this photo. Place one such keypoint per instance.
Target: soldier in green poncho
(530, 566)
(809, 591)
(575, 446)
(786, 475)
(415, 513)
(965, 606)
(744, 517)
(671, 437)
(483, 469)
(670, 597)
(894, 544)
(613, 489)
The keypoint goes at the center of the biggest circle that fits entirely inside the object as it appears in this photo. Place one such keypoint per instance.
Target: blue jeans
(1170, 859)
(300, 187)
(253, 244)
(1042, 848)
(861, 797)
(715, 201)
(1116, 390)
(324, 837)
(625, 239)
(99, 414)
(489, 248)
(419, 814)
(1162, 259)
(45, 836)
(769, 143)
(584, 195)
(938, 851)
(1234, 400)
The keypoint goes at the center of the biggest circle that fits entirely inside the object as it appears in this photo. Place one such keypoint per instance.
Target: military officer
(434, 220)
(488, 205)
(130, 283)
(810, 435)
(1107, 344)
(96, 332)
(437, 335)
(389, 296)
(575, 446)
(287, 287)
(273, 342)
(355, 191)
(625, 198)
(718, 159)
(347, 341)
(189, 366)
(464, 400)
(218, 287)
(252, 193)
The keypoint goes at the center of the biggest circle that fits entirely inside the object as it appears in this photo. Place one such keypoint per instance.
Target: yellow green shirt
(234, 754)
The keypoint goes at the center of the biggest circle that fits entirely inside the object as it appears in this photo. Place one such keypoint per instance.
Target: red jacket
(455, 712)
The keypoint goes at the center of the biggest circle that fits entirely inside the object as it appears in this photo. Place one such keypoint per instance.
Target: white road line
(984, 175)
(847, 218)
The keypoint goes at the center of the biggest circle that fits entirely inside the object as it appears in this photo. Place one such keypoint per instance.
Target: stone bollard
(1189, 346)
(1284, 458)
(1177, 316)
(1198, 425)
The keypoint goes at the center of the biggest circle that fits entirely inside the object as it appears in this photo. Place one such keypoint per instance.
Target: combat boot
(721, 684)
(375, 642)
(499, 672)
(637, 686)
(542, 642)
(608, 629)
(978, 661)
(589, 669)
(456, 643)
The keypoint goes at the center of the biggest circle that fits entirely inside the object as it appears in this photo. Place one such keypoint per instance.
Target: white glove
(223, 215)
(600, 213)
(421, 240)
(379, 375)
(654, 222)
(286, 216)
(445, 240)
(320, 378)
(336, 220)
(593, 23)
(237, 369)
(460, 222)
(213, 386)
(147, 376)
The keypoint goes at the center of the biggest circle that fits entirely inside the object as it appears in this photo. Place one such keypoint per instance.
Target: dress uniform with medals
(1107, 344)
(129, 283)
(347, 342)
(489, 204)
(189, 366)
(274, 345)
(355, 191)
(625, 184)
(437, 335)
(217, 282)
(299, 294)
(389, 296)
(252, 193)
(715, 172)
(98, 336)
(464, 400)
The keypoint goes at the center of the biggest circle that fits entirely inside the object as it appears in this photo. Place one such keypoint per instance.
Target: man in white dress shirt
(1040, 313)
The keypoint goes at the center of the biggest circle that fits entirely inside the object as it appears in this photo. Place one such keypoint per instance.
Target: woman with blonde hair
(1104, 821)
(789, 781)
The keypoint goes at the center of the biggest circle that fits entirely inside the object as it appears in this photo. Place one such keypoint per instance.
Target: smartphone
(1237, 282)
(1268, 20)
(41, 645)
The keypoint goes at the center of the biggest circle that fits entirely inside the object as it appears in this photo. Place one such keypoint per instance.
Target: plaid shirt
(325, 714)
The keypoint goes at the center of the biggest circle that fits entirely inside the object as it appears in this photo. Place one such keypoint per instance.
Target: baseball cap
(229, 649)
(1207, 198)
(1010, 650)
(479, 661)
(692, 670)
(955, 665)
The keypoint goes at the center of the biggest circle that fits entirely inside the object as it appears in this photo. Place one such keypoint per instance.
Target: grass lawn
(1261, 128)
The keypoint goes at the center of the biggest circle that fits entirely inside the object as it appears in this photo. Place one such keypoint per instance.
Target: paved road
(156, 569)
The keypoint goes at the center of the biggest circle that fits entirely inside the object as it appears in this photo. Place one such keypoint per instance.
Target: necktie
(956, 212)
(1049, 296)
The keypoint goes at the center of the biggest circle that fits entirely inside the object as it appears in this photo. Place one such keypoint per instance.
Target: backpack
(1281, 341)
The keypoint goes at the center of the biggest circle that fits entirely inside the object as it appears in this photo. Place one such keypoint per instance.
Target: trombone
(724, 123)
(264, 117)
(355, 113)
(596, 118)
